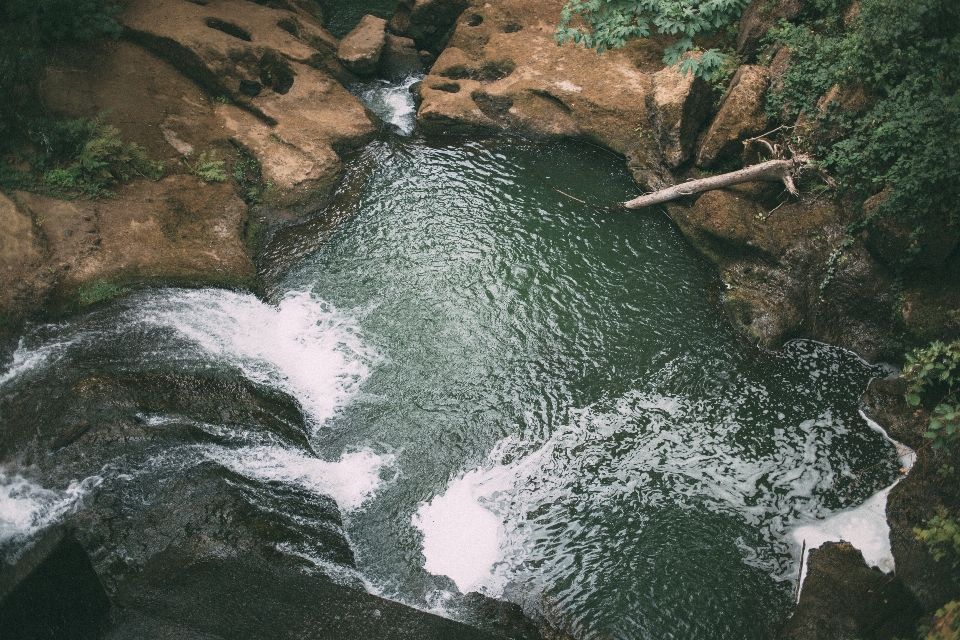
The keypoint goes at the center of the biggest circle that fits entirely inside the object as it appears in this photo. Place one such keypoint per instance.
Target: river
(502, 389)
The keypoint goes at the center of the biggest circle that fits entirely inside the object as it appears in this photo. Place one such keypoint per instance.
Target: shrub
(904, 57)
(933, 376)
(608, 24)
(208, 168)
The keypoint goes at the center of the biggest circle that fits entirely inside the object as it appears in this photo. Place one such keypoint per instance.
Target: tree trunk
(772, 170)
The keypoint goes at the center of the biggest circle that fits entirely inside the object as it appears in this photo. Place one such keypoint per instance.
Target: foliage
(99, 291)
(208, 168)
(903, 59)
(609, 24)
(946, 623)
(77, 157)
(933, 376)
(942, 536)
(248, 175)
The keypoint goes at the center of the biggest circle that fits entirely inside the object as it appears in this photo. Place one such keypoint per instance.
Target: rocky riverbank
(261, 87)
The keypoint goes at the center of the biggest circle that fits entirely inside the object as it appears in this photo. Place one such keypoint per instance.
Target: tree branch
(771, 170)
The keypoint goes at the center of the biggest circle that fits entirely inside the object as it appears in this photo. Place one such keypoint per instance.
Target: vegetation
(208, 168)
(99, 291)
(933, 375)
(609, 24)
(898, 65)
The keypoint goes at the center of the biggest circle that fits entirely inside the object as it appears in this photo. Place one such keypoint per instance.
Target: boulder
(759, 17)
(502, 71)
(400, 58)
(843, 598)
(677, 106)
(301, 115)
(740, 115)
(360, 50)
(427, 22)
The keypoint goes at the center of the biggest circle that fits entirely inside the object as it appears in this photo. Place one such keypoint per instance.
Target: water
(502, 389)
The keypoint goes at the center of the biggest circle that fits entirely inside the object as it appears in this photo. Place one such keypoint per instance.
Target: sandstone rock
(677, 107)
(360, 49)
(740, 116)
(303, 110)
(400, 58)
(843, 598)
(759, 17)
(502, 71)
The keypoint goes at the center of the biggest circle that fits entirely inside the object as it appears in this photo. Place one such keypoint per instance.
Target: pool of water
(503, 390)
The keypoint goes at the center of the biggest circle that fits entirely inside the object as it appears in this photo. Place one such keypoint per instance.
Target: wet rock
(677, 107)
(52, 592)
(896, 243)
(427, 22)
(843, 598)
(759, 17)
(740, 116)
(506, 619)
(400, 58)
(248, 597)
(360, 50)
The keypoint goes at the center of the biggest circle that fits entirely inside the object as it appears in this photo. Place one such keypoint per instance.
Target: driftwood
(771, 170)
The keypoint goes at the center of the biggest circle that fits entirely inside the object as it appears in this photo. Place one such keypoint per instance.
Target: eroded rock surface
(677, 107)
(502, 71)
(302, 116)
(843, 598)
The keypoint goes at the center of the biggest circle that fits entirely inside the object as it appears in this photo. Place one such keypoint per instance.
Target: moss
(98, 291)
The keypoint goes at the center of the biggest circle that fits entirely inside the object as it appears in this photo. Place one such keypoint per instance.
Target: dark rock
(741, 115)
(399, 58)
(246, 597)
(676, 109)
(503, 618)
(52, 592)
(895, 242)
(428, 22)
(759, 17)
(842, 598)
(70, 435)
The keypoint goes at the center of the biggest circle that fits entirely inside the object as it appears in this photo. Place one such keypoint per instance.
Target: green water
(568, 369)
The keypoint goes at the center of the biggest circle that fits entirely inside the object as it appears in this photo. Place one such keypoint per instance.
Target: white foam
(26, 507)
(351, 481)
(303, 345)
(25, 359)
(864, 526)
(393, 102)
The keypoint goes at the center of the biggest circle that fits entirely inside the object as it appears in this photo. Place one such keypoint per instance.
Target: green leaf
(913, 399)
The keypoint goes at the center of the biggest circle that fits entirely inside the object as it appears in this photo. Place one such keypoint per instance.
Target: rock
(894, 242)
(502, 71)
(303, 114)
(842, 598)
(183, 230)
(759, 17)
(400, 58)
(740, 115)
(677, 107)
(360, 50)
(52, 591)
(427, 22)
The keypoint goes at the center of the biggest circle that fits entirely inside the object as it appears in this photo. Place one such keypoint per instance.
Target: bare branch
(771, 170)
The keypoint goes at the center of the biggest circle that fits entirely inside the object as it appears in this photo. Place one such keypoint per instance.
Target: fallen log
(771, 170)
